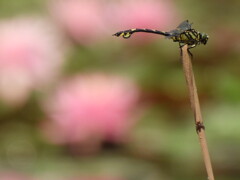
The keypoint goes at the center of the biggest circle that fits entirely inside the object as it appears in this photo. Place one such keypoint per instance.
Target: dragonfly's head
(204, 38)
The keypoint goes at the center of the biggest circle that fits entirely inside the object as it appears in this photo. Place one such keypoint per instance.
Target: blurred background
(77, 103)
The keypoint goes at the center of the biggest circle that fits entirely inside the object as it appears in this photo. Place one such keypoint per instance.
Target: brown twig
(188, 72)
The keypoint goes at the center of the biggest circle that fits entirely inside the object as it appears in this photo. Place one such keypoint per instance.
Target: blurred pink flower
(82, 19)
(152, 14)
(88, 21)
(145, 14)
(90, 109)
(30, 57)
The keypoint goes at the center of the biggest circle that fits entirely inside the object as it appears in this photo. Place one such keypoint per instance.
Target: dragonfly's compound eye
(204, 38)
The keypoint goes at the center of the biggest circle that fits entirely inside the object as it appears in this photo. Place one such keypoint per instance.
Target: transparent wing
(184, 26)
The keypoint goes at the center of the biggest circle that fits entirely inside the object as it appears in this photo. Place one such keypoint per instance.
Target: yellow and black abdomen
(127, 33)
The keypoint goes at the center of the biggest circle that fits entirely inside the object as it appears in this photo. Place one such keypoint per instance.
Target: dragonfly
(183, 34)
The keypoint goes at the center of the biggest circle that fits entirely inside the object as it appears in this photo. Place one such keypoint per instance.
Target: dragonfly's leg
(190, 47)
(189, 52)
(180, 46)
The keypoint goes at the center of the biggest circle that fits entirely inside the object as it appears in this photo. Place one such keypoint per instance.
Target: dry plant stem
(188, 72)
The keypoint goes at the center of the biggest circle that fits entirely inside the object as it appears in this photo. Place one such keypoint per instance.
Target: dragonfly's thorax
(190, 37)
